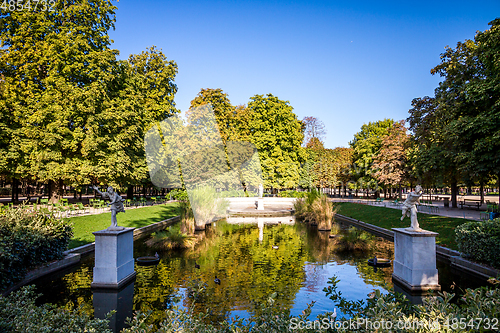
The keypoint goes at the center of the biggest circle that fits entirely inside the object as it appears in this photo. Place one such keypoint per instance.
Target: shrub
(300, 208)
(292, 194)
(171, 238)
(480, 240)
(27, 239)
(179, 194)
(18, 313)
(442, 313)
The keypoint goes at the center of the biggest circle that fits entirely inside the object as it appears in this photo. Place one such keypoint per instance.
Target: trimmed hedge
(480, 240)
(28, 239)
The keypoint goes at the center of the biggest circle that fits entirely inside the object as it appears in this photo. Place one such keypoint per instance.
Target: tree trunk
(498, 190)
(400, 192)
(454, 192)
(481, 191)
(56, 190)
(14, 195)
(130, 192)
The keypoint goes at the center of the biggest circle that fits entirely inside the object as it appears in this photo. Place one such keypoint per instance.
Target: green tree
(457, 131)
(52, 64)
(433, 157)
(277, 134)
(75, 114)
(223, 109)
(366, 145)
(140, 95)
(390, 165)
(469, 96)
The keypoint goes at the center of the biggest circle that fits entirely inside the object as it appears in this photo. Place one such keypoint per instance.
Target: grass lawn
(84, 226)
(390, 218)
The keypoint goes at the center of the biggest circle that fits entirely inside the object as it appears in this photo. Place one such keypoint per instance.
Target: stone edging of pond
(454, 257)
(73, 256)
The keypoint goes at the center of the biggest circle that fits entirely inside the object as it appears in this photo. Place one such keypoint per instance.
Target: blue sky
(343, 62)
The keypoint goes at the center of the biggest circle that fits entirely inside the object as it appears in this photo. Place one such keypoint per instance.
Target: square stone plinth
(260, 204)
(114, 258)
(415, 259)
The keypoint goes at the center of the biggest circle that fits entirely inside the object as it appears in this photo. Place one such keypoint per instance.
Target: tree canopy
(277, 134)
(73, 113)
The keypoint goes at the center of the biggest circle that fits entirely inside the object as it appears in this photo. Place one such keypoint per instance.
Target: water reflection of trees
(250, 270)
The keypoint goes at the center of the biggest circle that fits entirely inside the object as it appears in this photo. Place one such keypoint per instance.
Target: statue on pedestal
(116, 205)
(410, 208)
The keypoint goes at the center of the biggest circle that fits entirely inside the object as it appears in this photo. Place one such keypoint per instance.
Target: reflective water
(250, 269)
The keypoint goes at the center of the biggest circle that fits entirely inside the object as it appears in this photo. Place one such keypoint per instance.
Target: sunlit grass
(84, 226)
(390, 218)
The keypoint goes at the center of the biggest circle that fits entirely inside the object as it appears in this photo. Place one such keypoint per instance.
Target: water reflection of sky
(351, 285)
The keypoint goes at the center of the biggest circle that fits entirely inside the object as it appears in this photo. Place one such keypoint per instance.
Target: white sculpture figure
(116, 205)
(410, 208)
(261, 190)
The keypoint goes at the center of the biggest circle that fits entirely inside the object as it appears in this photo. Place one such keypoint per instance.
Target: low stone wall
(454, 257)
(268, 201)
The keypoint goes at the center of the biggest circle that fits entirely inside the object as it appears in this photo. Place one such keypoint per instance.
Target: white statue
(116, 205)
(410, 208)
(261, 190)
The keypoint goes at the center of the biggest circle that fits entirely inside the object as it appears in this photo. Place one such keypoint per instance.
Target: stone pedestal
(114, 258)
(260, 204)
(415, 259)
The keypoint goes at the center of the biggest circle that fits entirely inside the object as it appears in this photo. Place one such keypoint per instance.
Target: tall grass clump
(322, 213)
(207, 206)
(171, 238)
(356, 240)
(299, 206)
(187, 218)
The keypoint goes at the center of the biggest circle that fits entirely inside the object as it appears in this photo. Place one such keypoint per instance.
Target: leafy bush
(480, 240)
(179, 194)
(292, 194)
(441, 313)
(299, 206)
(18, 313)
(27, 239)
(233, 194)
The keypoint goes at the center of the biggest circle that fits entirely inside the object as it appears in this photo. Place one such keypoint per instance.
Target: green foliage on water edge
(480, 240)
(475, 311)
(29, 238)
(18, 313)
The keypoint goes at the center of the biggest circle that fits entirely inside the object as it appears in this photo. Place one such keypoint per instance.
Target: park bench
(470, 203)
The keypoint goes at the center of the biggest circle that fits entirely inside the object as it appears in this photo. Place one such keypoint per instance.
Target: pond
(250, 267)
